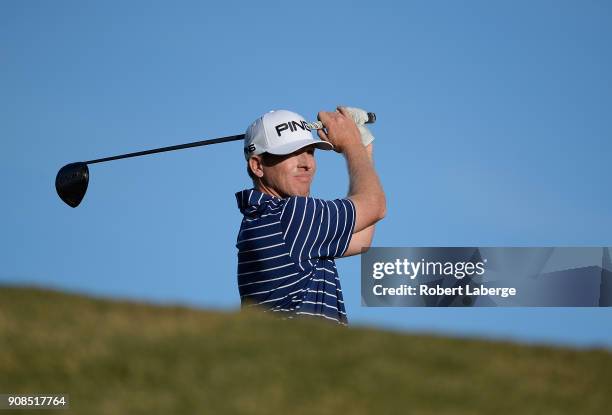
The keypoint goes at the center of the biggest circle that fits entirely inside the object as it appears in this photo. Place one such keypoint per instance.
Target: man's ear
(256, 165)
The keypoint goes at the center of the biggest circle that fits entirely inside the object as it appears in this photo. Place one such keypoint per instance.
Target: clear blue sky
(494, 130)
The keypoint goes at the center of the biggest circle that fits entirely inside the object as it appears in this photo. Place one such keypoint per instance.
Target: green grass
(116, 357)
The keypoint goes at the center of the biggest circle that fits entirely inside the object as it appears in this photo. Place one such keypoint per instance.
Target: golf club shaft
(313, 126)
(170, 148)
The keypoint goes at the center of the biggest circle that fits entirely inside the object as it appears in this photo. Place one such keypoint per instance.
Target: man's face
(289, 175)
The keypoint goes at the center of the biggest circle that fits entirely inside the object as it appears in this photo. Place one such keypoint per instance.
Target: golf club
(72, 180)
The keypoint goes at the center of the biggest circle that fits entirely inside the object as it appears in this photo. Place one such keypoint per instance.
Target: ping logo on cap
(291, 125)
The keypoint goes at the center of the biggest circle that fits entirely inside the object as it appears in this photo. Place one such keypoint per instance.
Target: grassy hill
(116, 357)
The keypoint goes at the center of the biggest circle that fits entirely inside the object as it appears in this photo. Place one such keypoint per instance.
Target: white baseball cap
(280, 132)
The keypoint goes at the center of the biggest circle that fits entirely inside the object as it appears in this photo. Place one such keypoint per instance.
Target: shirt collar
(250, 200)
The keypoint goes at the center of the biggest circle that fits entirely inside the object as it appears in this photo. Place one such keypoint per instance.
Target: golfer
(288, 240)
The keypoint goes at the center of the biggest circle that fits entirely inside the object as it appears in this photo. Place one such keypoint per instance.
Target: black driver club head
(71, 183)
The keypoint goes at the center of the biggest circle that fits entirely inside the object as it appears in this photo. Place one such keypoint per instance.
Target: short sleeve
(315, 228)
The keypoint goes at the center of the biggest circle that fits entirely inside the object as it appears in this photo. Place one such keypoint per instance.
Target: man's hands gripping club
(365, 189)
(359, 117)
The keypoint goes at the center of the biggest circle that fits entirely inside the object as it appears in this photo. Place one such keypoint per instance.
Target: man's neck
(268, 190)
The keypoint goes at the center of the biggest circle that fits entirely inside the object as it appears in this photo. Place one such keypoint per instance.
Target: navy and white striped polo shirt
(286, 250)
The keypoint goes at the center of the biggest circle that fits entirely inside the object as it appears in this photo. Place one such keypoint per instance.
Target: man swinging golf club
(288, 240)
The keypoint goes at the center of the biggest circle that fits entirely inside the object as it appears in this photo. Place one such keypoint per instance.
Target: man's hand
(340, 129)
(361, 117)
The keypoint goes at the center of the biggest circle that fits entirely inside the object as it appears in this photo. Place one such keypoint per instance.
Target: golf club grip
(318, 125)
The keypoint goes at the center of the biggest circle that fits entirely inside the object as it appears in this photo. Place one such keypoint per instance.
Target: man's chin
(302, 192)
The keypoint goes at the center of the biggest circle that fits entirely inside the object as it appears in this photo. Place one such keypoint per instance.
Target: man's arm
(363, 238)
(365, 190)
